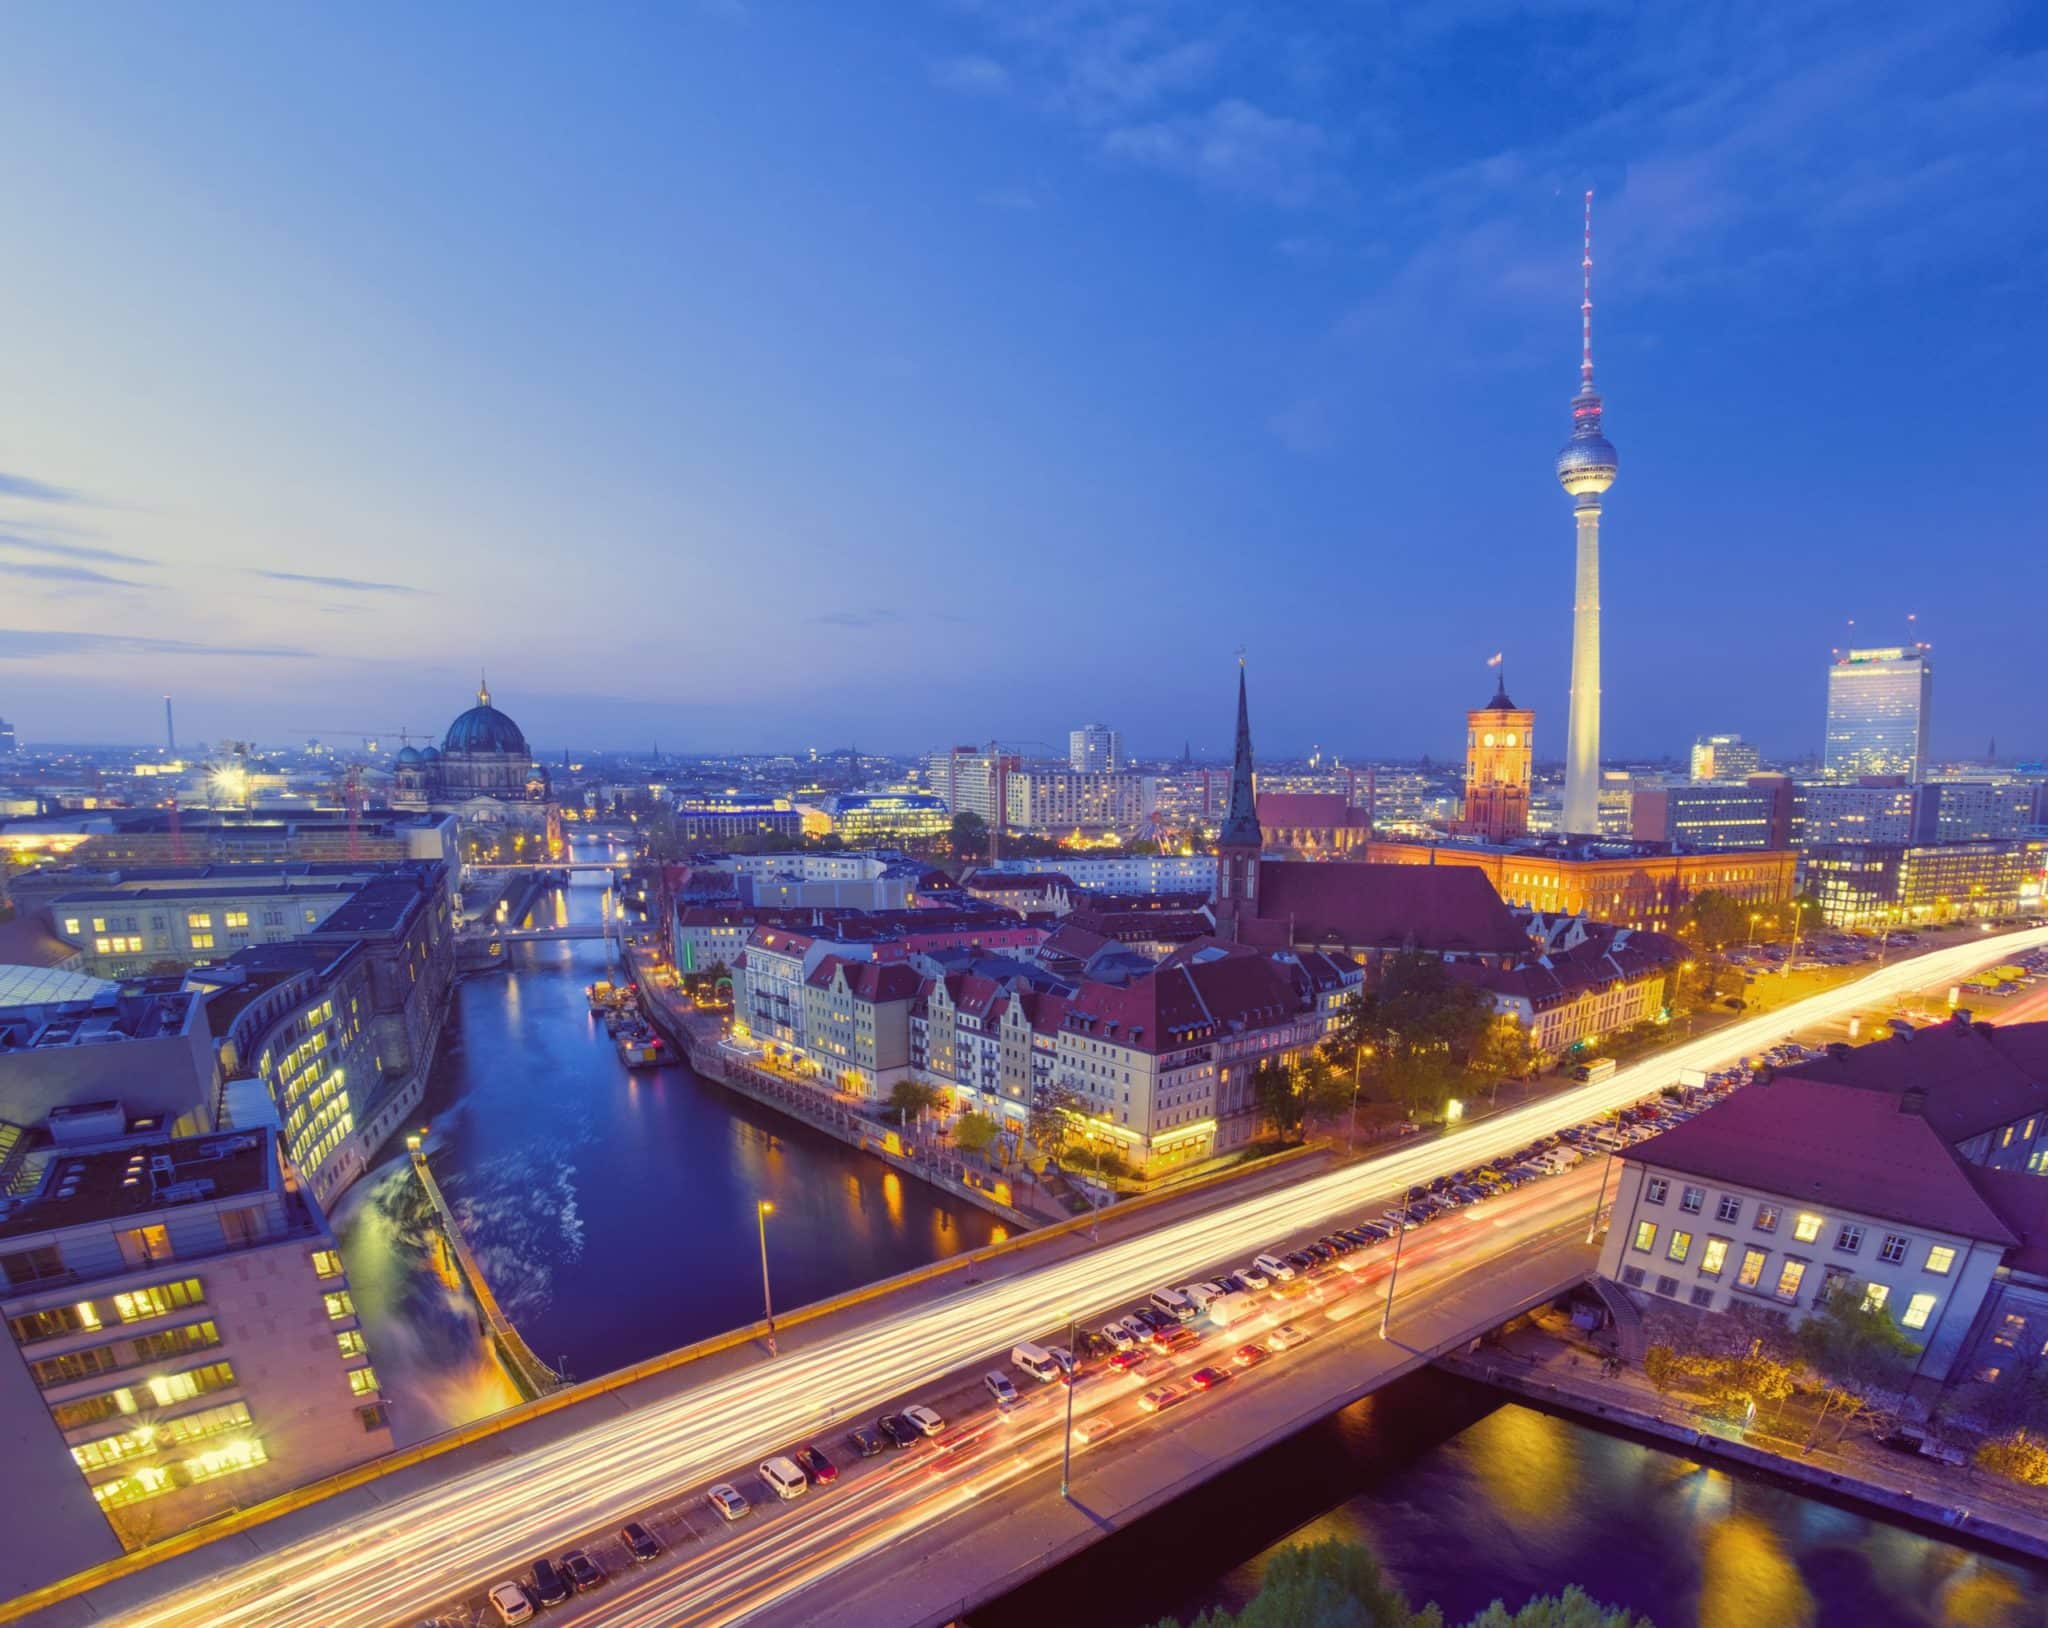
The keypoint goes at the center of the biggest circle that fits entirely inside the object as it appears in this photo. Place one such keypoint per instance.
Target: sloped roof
(1976, 1075)
(1835, 1147)
(1314, 810)
(1449, 909)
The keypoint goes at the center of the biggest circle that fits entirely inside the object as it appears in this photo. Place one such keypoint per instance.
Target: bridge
(425, 1530)
(516, 935)
(557, 865)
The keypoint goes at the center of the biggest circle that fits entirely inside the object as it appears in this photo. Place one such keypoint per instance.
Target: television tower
(170, 731)
(1585, 469)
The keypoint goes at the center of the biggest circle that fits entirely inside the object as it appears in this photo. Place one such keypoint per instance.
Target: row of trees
(1335, 1584)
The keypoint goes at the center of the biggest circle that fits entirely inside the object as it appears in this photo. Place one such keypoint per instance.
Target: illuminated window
(157, 1299)
(236, 918)
(1646, 1235)
(1918, 1310)
(362, 1381)
(202, 941)
(350, 1341)
(99, 924)
(1807, 1227)
(1789, 1278)
(1681, 1246)
(146, 1482)
(326, 1263)
(1766, 1218)
(1713, 1257)
(71, 926)
(1940, 1258)
(240, 1455)
(1752, 1267)
(198, 918)
(1875, 1295)
(340, 1304)
(141, 1245)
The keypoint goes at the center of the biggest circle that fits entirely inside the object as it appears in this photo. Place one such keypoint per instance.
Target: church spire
(483, 689)
(1241, 820)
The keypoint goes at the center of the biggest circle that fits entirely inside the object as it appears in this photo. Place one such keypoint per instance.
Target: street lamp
(762, 1211)
(1357, 1073)
(1754, 918)
(1393, 1275)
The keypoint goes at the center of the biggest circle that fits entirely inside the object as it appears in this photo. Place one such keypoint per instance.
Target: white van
(1274, 1268)
(1173, 1303)
(783, 1477)
(1201, 1293)
(1036, 1361)
(1226, 1309)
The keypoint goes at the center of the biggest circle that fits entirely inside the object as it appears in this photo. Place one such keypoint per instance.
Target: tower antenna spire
(1586, 304)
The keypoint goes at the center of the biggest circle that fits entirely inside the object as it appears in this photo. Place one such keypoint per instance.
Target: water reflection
(613, 1210)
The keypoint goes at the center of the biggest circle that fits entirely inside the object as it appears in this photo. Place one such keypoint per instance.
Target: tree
(2021, 1456)
(1050, 1120)
(975, 1132)
(1278, 1099)
(970, 835)
(1574, 1608)
(1504, 1052)
(1712, 919)
(1855, 1344)
(1423, 1025)
(1324, 1088)
(911, 1097)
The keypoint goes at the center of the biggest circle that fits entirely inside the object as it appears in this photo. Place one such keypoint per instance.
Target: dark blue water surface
(613, 1210)
(1465, 1500)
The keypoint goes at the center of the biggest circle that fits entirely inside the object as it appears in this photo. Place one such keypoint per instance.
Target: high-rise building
(1723, 757)
(1585, 468)
(972, 779)
(7, 742)
(1498, 755)
(1239, 842)
(1879, 704)
(1094, 749)
(1712, 816)
(1054, 800)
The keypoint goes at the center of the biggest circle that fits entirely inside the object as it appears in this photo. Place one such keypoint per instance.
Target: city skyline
(1143, 310)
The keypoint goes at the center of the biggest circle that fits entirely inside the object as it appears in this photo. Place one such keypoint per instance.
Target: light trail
(485, 1523)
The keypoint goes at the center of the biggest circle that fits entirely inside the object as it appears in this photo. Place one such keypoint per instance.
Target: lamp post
(762, 1211)
(1754, 918)
(1393, 1274)
(1599, 1198)
(1067, 1447)
(1358, 1058)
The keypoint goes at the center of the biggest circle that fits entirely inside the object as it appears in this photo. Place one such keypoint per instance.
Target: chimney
(1913, 1100)
(1962, 1016)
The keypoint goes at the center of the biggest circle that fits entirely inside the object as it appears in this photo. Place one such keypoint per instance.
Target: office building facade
(1094, 749)
(1880, 702)
(1723, 757)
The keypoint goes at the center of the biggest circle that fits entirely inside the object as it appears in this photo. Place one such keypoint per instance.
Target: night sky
(772, 375)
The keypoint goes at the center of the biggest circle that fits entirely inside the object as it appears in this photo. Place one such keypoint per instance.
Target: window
(236, 918)
(175, 1342)
(326, 1263)
(169, 1388)
(242, 1227)
(71, 926)
(47, 1325)
(1680, 1246)
(1729, 1209)
(371, 1416)
(141, 1245)
(198, 918)
(1692, 1199)
(74, 1365)
(1766, 1218)
(1875, 1295)
(1646, 1235)
(1807, 1227)
(1752, 1267)
(1940, 1258)
(340, 1304)
(202, 941)
(1790, 1275)
(158, 1299)
(1654, 1190)
(1713, 1257)
(240, 1455)
(2011, 1332)
(1849, 1239)
(1893, 1249)
(1918, 1310)
(350, 1340)
(27, 1266)
(362, 1381)
(145, 1482)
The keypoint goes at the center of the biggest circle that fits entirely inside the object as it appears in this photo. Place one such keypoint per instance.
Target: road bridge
(426, 1528)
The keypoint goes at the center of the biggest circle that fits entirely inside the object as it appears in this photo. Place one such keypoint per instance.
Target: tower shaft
(1582, 731)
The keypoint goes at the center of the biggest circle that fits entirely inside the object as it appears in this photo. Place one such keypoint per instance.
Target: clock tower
(1498, 756)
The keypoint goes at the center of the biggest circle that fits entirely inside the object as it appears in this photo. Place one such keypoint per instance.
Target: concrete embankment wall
(534, 1377)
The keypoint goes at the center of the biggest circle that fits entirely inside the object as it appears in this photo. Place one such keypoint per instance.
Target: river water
(612, 1209)
(1466, 1499)
(614, 1213)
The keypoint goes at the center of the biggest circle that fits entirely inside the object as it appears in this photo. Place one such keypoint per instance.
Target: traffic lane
(1442, 1245)
(322, 1581)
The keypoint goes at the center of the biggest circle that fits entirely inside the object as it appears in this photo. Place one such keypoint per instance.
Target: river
(1465, 1499)
(613, 1210)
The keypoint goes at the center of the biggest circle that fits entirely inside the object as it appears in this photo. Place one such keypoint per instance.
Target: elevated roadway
(397, 1546)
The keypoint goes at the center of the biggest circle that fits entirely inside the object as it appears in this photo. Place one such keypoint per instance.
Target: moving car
(1124, 1361)
(550, 1587)
(924, 1419)
(1091, 1430)
(727, 1500)
(584, 1573)
(1162, 1397)
(511, 1603)
(1207, 1379)
(999, 1386)
(819, 1470)
(640, 1543)
(1249, 1356)
(1285, 1338)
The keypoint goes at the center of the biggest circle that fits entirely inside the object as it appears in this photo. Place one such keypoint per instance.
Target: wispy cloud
(880, 617)
(37, 572)
(29, 644)
(70, 551)
(1235, 146)
(34, 490)
(972, 75)
(346, 584)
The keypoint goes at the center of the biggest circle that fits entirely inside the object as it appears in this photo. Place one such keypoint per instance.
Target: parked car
(1274, 1268)
(1252, 1276)
(819, 1470)
(550, 1587)
(924, 1419)
(640, 1543)
(1285, 1338)
(867, 1443)
(784, 1477)
(584, 1573)
(1162, 1397)
(512, 1603)
(998, 1386)
(899, 1430)
(727, 1500)
(1207, 1379)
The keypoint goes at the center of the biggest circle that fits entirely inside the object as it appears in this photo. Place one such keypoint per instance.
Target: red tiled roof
(2020, 1199)
(1976, 1076)
(1307, 810)
(1831, 1146)
(1187, 1002)
(1449, 909)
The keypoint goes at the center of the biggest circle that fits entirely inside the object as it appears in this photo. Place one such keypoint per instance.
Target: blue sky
(787, 374)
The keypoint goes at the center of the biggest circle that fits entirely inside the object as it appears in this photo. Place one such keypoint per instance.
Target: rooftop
(1976, 1076)
(136, 1178)
(108, 1015)
(1448, 909)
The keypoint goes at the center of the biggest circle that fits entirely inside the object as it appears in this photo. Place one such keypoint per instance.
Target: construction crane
(363, 735)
